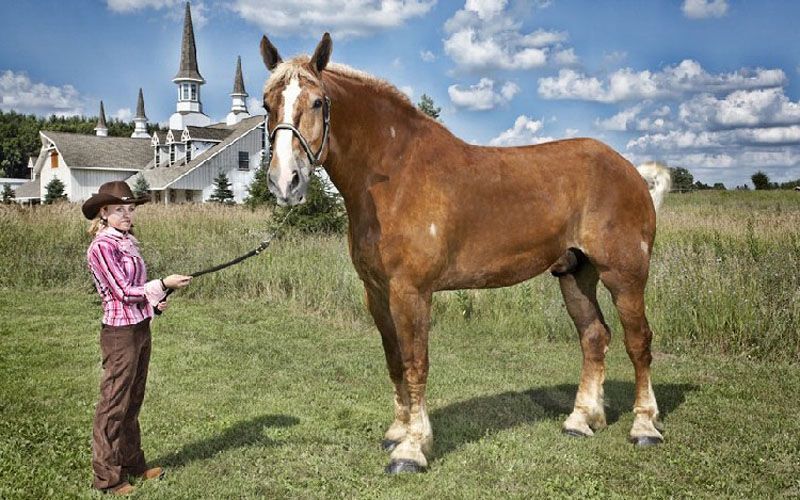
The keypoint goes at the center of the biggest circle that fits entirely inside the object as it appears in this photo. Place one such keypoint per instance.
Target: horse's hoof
(646, 441)
(402, 466)
(389, 444)
(574, 433)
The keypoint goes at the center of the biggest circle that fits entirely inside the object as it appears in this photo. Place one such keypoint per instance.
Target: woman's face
(120, 217)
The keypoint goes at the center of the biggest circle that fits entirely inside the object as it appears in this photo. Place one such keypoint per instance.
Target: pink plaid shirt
(120, 276)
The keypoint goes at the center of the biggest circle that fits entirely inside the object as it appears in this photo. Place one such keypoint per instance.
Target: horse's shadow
(239, 435)
(468, 421)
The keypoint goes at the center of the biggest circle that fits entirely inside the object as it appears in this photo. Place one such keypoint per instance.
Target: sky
(708, 85)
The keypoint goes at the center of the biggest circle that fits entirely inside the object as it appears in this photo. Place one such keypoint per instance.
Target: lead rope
(260, 248)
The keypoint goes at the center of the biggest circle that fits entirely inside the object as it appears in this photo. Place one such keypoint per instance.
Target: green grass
(268, 381)
(262, 400)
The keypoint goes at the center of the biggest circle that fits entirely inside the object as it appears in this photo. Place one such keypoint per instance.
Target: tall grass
(725, 273)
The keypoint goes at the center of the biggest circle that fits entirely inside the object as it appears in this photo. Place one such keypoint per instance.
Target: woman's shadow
(241, 434)
(468, 421)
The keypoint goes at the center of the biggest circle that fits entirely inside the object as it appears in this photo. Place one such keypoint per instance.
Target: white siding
(85, 182)
(61, 172)
(226, 161)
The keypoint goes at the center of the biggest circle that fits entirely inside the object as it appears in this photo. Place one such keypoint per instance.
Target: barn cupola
(189, 109)
(140, 120)
(101, 129)
(238, 97)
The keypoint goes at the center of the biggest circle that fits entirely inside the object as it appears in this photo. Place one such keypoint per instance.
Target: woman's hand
(176, 281)
(162, 306)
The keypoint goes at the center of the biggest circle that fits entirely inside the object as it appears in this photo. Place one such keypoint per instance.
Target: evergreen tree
(141, 187)
(760, 180)
(55, 191)
(8, 194)
(322, 211)
(427, 106)
(222, 190)
(258, 191)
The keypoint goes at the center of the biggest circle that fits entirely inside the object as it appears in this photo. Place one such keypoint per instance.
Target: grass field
(268, 380)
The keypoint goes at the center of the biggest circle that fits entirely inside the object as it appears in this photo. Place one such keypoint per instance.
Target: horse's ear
(269, 53)
(322, 54)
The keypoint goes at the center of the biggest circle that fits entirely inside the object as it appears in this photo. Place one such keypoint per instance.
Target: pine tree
(427, 106)
(55, 191)
(141, 187)
(322, 211)
(222, 190)
(258, 191)
(8, 194)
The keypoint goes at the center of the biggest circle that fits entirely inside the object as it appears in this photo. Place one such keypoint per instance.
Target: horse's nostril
(295, 181)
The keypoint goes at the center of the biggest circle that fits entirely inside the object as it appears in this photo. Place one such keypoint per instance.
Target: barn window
(171, 154)
(188, 151)
(193, 87)
(53, 159)
(189, 196)
(244, 160)
(158, 156)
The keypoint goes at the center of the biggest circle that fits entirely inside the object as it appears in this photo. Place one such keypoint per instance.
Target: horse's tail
(658, 180)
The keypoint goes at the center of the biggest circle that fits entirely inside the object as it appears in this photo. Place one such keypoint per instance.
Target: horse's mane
(298, 67)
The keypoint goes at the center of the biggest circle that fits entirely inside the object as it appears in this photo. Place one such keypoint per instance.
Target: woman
(128, 302)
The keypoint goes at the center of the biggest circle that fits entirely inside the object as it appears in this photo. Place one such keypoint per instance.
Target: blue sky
(710, 85)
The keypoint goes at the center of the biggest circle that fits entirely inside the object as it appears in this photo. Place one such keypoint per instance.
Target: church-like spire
(238, 81)
(140, 106)
(238, 97)
(188, 69)
(101, 129)
(140, 120)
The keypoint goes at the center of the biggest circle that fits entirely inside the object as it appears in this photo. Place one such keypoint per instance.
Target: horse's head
(298, 113)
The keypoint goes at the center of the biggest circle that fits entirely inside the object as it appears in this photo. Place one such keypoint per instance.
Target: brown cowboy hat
(110, 193)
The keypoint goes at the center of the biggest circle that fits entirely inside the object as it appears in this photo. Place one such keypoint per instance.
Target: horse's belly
(485, 271)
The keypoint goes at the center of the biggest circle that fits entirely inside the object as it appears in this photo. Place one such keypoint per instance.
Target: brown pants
(116, 441)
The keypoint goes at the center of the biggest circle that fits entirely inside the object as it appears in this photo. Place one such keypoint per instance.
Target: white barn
(180, 164)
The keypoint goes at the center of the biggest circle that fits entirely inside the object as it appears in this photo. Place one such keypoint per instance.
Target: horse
(429, 212)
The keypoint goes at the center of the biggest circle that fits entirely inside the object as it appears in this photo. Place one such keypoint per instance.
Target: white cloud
(621, 121)
(20, 94)
(408, 90)
(123, 114)
(566, 57)
(672, 81)
(523, 132)
(482, 96)
(630, 119)
(175, 9)
(743, 108)
(701, 9)
(427, 56)
(484, 36)
(343, 18)
(255, 106)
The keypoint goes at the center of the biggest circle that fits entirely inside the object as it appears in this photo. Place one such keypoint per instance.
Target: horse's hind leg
(579, 289)
(627, 291)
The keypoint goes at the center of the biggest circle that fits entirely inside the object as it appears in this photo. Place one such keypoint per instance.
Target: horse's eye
(318, 103)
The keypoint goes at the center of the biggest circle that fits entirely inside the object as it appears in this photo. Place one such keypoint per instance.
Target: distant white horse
(658, 180)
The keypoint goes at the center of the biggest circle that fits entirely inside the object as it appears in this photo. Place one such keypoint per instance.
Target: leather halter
(313, 157)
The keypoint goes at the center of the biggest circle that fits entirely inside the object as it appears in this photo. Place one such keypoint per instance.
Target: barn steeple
(238, 97)
(189, 109)
(140, 120)
(101, 129)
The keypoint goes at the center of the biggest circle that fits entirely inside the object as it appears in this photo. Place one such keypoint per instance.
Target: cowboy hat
(110, 193)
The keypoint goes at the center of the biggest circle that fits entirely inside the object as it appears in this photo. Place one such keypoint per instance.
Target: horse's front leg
(378, 304)
(407, 358)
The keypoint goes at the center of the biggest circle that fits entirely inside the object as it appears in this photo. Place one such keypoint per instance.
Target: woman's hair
(96, 225)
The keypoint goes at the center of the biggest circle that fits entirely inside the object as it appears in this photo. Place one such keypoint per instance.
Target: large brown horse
(429, 212)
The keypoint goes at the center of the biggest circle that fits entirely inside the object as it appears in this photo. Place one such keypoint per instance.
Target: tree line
(19, 136)
(683, 181)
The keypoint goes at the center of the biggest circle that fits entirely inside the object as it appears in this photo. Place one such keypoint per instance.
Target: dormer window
(157, 156)
(171, 154)
(188, 151)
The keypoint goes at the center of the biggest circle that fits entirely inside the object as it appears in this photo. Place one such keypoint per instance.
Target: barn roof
(91, 151)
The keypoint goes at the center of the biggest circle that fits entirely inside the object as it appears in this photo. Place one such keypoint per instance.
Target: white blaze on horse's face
(291, 171)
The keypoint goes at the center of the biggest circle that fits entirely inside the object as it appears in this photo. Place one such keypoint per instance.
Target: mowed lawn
(259, 399)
